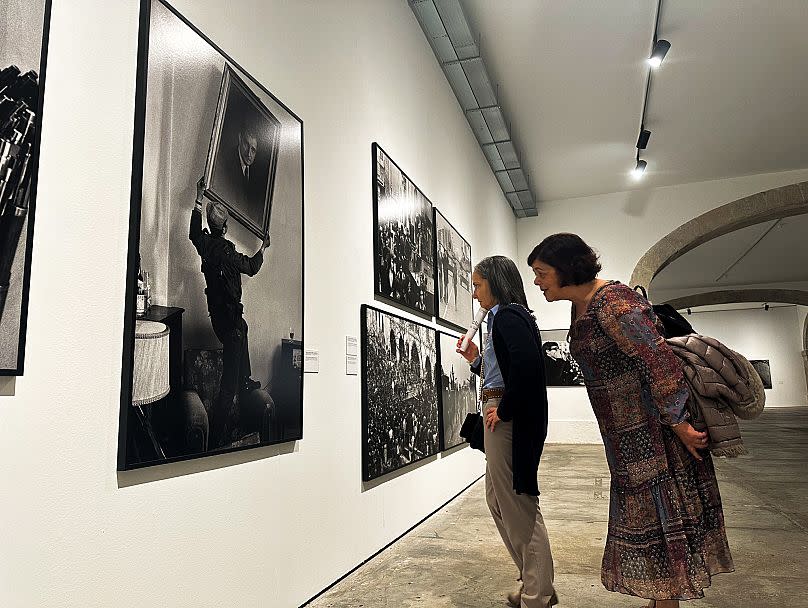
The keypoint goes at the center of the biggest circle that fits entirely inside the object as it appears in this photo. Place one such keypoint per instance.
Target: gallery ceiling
(727, 101)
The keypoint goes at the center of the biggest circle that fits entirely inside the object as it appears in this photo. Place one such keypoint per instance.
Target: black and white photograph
(559, 366)
(764, 370)
(213, 333)
(24, 27)
(458, 391)
(453, 260)
(243, 154)
(403, 238)
(399, 393)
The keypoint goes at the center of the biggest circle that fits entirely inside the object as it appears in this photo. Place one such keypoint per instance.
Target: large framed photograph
(764, 370)
(403, 237)
(559, 366)
(453, 260)
(24, 28)
(458, 391)
(243, 154)
(213, 332)
(399, 392)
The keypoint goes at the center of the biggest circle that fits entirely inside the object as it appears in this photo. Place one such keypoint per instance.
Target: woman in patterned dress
(666, 535)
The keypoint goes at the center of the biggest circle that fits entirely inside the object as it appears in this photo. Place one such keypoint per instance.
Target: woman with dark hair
(514, 399)
(666, 535)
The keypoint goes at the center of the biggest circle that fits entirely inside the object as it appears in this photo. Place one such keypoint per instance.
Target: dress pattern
(666, 533)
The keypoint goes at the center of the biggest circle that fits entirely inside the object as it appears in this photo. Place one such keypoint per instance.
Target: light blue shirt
(492, 377)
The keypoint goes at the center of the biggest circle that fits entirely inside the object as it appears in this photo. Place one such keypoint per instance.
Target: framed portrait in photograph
(24, 29)
(458, 391)
(403, 247)
(243, 154)
(559, 367)
(764, 370)
(399, 392)
(453, 261)
(212, 348)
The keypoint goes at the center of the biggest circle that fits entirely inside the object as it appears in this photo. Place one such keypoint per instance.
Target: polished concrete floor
(456, 559)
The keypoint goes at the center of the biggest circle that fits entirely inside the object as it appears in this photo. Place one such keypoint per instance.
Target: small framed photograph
(559, 367)
(453, 261)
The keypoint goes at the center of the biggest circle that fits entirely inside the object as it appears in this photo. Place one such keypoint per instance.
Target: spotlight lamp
(766, 307)
(661, 48)
(642, 140)
(690, 312)
(639, 170)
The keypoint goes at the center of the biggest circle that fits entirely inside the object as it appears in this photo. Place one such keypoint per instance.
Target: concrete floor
(456, 558)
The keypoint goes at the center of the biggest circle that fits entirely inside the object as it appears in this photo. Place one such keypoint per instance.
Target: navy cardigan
(517, 346)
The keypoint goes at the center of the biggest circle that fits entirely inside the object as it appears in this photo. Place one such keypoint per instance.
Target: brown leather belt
(492, 393)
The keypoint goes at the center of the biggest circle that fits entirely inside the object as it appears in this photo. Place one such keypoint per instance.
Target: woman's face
(482, 291)
(546, 278)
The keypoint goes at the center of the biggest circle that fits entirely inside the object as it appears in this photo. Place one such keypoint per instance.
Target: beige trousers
(518, 518)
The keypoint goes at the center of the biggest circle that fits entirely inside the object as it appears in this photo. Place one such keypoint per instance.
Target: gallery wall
(265, 527)
(621, 226)
(763, 334)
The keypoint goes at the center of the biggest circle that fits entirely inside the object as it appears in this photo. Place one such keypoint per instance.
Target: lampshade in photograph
(150, 377)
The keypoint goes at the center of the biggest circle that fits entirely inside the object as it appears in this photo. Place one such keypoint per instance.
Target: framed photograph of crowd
(453, 261)
(24, 29)
(559, 366)
(213, 326)
(403, 246)
(764, 370)
(400, 417)
(458, 391)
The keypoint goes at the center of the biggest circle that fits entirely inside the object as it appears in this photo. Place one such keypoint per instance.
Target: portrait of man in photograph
(245, 141)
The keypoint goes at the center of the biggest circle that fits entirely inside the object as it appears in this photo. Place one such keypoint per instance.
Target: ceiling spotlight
(690, 312)
(642, 140)
(661, 48)
(639, 169)
(765, 307)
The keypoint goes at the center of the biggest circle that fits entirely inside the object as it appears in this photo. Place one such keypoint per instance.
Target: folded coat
(723, 385)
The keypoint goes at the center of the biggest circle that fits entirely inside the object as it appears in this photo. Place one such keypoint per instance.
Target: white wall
(621, 226)
(267, 527)
(761, 334)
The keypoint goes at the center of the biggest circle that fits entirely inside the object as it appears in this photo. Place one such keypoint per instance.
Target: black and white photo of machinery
(458, 391)
(403, 233)
(764, 370)
(213, 332)
(24, 26)
(453, 260)
(399, 392)
(560, 367)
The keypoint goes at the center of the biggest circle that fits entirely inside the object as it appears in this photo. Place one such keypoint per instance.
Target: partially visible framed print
(559, 366)
(764, 370)
(213, 325)
(403, 245)
(399, 392)
(24, 29)
(243, 154)
(453, 261)
(458, 391)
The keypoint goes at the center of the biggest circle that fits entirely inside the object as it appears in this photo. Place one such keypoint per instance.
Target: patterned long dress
(666, 527)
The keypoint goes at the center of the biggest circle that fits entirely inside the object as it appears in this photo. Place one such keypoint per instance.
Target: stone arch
(728, 296)
(764, 206)
(805, 335)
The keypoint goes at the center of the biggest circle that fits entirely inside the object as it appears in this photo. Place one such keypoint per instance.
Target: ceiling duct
(447, 29)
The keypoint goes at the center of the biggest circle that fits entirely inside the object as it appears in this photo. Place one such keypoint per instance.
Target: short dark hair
(549, 346)
(574, 261)
(503, 279)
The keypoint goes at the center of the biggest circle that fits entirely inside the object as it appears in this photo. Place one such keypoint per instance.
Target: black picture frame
(764, 370)
(250, 205)
(560, 368)
(453, 414)
(287, 420)
(379, 418)
(461, 314)
(398, 244)
(14, 335)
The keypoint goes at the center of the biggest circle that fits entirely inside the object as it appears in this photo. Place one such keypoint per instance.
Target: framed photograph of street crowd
(453, 260)
(403, 237)
(458, 391)
(400, 417)
(24, 29)
(213, 331)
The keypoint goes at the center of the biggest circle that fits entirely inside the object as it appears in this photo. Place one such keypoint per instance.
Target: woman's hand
(491, 418)
(693, 439)
(471, 353)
